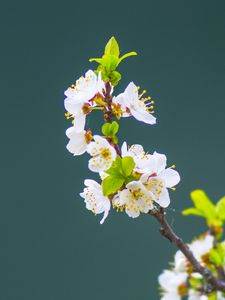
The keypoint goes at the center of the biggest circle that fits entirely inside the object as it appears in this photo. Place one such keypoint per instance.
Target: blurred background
(52, 248)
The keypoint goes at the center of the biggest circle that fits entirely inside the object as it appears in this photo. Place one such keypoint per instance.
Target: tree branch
(214, 284)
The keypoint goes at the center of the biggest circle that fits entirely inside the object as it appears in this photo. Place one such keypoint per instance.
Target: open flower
(173, 285)
(79, 97)
(78, 140)
(157, 178)
(103, 154)
(95, 200)
(201, 247)
(135, 199)
(132, 104)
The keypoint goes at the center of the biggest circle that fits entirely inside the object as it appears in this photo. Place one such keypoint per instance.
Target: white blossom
(134, 198)
(78, 140)
(173, 285)
(133, 104)
(201, 247)
(157, 178)
(95, 200)
(81, 95)
(103, 154)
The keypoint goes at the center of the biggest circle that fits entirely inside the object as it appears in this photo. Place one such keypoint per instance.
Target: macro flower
(78, 140)
(173, 285)
(134, 198)
(132, 104)
(95, 200)
(79, 97)
(103, 154)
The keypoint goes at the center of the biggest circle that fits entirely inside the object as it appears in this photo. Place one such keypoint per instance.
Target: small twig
(214, 284)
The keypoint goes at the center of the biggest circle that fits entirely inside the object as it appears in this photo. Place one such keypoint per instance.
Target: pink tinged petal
(164, 198)
(170, 176)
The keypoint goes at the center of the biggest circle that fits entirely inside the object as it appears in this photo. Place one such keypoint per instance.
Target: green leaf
(127, 165)
(127, 55)
(112, 47)
(110, 129)
(212, 296)
(115, 77)
(220, 209)
(192, 211)
(114, 128)
(106, 129)
(112, 184)
(215, 257)
(116, 167)
(203, 204)
(98, 60)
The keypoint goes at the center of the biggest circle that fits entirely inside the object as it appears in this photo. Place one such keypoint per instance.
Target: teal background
(52, 248)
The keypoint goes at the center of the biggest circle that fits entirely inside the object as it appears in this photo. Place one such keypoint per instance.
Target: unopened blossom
(78, 140)
(95, 200)
(173, 285)
(134, 198)
(132, 104)
(79, 97)
(103, 154)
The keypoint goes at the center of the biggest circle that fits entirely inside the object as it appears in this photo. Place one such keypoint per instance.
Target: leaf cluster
(110, 61)
(120, 173)
(110, 130)
(204, 207)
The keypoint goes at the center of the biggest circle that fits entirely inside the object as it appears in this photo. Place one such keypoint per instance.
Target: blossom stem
(214, 284)
(108, 111)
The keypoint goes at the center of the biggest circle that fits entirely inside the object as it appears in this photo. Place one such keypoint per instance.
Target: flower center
(182, 290)
(105, 153)
(137, 193)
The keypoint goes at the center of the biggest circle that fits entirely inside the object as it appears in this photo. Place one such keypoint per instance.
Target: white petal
(170, 176)
(164, 198)
(161, 161)
(143, 116)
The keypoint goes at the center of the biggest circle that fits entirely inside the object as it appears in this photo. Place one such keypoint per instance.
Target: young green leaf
(220, 209)
(112, 184)
(112, 47)
(192, 211)
(110, 129)
(115, 167)
(127, 165)
(127, 55)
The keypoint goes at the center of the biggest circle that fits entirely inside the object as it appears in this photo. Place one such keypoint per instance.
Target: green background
(52, 248)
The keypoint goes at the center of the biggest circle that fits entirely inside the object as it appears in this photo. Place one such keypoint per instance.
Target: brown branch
(214, 284)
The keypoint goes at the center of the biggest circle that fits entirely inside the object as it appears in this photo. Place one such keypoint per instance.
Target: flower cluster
(131, 179)
(182, 281)
(209, 250)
